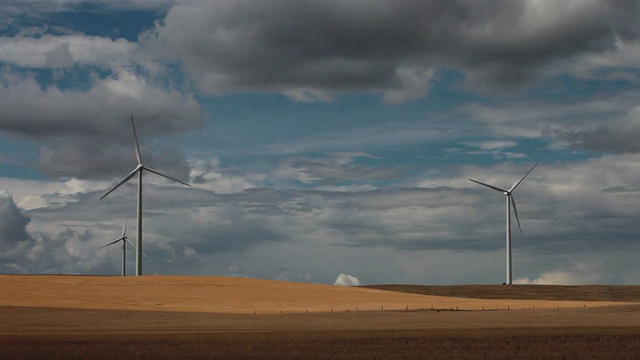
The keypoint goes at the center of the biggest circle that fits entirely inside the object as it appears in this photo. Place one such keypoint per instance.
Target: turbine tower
(138, 170)
(510, 201)
(125, 241)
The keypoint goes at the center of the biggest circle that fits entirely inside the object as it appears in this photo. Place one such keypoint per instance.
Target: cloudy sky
(323, 140)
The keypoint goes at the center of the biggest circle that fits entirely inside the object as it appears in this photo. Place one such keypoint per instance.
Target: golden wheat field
(152, 317)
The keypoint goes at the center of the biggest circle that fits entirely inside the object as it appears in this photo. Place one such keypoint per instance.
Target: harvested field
(66, 317)
(234, 295)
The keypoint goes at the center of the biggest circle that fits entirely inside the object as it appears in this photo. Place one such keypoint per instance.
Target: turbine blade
(489, 186)
(111, 243)
(515, 211)
(131, 174)
(135, 137)
(522, 178)
(134, 246)
(166, 176)
(124, 229)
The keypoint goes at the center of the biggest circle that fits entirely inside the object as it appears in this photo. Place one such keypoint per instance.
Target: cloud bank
(313, 50)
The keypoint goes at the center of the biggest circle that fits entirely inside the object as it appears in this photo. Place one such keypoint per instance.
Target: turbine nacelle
(140, 168)
(122, 237)
(509, 193)
(125, 241)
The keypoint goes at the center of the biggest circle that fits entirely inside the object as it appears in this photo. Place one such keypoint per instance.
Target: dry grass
(66, 317)
(235, 295)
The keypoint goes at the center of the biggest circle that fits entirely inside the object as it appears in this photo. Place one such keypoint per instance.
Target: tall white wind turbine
(125, 241)
(138, 170)
(510, 201)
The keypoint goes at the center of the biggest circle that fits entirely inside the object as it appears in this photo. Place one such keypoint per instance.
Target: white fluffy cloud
(580, 274)
(65, 51)
(347, 280)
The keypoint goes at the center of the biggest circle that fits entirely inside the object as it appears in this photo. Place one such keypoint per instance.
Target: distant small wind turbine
(125, 241)
(138, 170)
(510, 200)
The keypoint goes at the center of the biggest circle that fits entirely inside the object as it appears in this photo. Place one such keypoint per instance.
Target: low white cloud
(491, 145)
(582, 208)
(602, 121)
(334, 168)
(579, 274)
(209, 174)
(347, 280)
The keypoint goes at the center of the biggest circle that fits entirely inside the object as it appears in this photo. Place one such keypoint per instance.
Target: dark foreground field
(604, 343)
(582, 333)
(180, 318)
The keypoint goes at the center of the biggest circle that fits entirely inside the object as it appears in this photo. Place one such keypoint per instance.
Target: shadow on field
(614, 293)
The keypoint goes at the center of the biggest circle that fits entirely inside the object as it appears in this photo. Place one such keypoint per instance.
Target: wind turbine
(138, 170)
(125, 241)
(510, 200)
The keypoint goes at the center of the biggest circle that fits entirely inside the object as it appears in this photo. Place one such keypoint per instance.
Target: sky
(325, 141)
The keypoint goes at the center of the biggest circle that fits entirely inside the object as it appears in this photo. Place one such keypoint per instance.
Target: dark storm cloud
(22, 252)
(13, 226)
(102, 113)
(314, 49)
(87, 132)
